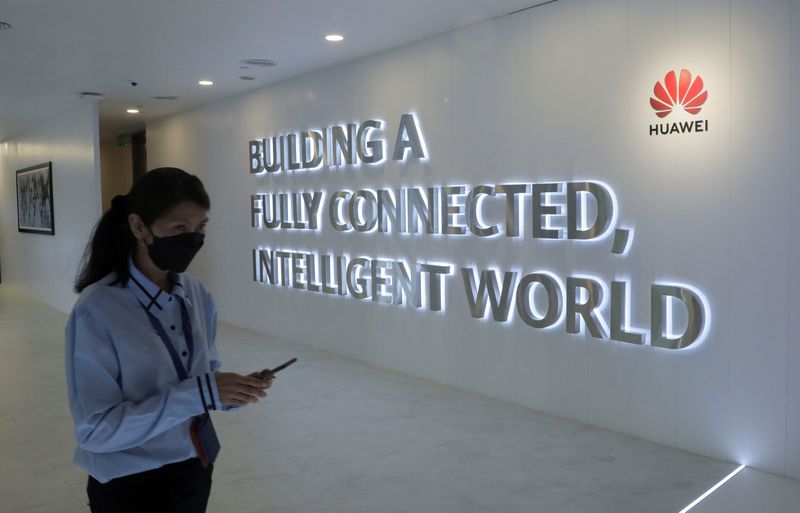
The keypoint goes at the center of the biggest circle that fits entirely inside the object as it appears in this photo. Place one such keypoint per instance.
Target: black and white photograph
(35, 199)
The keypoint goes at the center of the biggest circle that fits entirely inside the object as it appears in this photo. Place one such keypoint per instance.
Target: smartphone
(282, 366)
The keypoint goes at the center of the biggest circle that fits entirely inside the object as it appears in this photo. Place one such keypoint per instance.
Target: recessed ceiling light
(132, 111)
(4, 25)
(334, 38)
(205, 83)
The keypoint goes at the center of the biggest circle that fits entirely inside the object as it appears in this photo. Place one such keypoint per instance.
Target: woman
(142, 365)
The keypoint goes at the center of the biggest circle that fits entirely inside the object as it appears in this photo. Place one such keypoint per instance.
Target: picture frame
(35, 199)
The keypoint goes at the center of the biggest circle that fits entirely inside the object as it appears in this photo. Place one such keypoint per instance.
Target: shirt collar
(149, 294)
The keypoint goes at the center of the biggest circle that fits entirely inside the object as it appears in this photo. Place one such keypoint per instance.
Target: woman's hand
(238, 390)
(264, 375)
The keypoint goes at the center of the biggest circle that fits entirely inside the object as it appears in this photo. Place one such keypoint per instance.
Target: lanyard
(186, 324)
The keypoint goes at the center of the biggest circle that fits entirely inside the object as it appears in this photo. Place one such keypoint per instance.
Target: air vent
(247, 78)
(90, 94)
(4, 25)
(263, 63)
(166, 98)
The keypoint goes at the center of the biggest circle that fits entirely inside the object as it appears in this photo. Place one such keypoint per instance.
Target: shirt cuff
(209, 395)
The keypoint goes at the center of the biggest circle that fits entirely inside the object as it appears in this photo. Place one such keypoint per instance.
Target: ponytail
(110, 247)
(112, 243)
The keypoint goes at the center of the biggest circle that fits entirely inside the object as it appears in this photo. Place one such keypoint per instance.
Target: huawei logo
(676, 92)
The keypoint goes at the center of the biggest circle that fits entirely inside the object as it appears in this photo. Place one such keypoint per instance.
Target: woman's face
(186, 217)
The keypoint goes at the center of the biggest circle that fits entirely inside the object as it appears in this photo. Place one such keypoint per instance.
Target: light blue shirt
(131, 411)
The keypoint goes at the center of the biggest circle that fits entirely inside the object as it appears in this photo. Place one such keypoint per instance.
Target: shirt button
(170, 300)
(172, 327)
(185, 353)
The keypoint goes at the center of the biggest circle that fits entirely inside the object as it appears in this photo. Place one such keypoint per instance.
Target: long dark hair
(112, 242)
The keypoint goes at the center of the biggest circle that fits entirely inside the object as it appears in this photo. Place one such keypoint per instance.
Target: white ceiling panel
(56, 48)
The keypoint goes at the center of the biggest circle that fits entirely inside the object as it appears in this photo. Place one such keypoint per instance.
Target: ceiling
(56, 49)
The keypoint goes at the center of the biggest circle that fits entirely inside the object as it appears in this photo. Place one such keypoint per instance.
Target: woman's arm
(104, 420)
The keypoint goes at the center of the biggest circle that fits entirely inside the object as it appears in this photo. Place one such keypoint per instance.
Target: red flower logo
(673, 92)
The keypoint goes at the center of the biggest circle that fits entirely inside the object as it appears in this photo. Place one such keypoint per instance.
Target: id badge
(205, 440)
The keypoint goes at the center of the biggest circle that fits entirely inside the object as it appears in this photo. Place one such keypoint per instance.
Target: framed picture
(35, 199)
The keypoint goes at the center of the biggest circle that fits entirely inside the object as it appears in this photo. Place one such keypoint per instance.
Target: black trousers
(181, 487)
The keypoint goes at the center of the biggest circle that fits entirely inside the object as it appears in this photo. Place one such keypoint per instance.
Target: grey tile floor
(339, 436)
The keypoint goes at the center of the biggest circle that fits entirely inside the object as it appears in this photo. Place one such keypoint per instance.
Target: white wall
(42, 265)
(559, 92)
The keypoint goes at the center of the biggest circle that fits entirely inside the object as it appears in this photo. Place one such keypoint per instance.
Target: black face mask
(175, 253)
